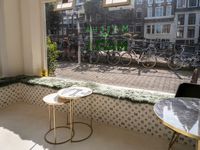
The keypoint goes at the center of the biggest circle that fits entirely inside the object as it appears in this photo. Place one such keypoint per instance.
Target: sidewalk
(133, 77)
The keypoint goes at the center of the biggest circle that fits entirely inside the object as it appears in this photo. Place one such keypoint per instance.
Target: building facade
(159, 21)
(187, 21)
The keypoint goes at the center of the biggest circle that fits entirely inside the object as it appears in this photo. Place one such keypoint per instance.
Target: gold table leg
(198, 145)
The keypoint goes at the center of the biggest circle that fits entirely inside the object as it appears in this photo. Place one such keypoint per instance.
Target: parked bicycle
(145, 56)
(185, 58)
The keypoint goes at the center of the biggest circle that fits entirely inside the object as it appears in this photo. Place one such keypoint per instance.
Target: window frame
(113, 4)
(192, 6)
(150, 3)
(162, 11)
(181, 7)
(159, 1)
(189, 17)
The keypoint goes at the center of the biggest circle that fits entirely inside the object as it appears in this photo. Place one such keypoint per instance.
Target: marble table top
(74, 92)
(181, 115)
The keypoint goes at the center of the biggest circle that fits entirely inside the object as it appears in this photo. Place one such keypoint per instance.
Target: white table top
(74, 92)
(53, 99)
(181, 115)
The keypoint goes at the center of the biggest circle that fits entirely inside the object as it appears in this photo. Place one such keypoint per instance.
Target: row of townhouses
(171, 20)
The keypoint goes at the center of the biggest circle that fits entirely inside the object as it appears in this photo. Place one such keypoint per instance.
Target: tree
(53, 19)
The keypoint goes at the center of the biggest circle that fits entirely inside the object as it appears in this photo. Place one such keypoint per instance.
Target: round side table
(53, 100)
(73, 94)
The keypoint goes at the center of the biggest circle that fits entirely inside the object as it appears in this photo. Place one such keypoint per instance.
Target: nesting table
(182, 115)
(68, 96)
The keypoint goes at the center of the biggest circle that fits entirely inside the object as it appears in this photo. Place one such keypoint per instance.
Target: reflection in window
(191, 32)
(149, 12)
(166, 28)
(192, 3)
(191, 19)
(148, 29)
(181, 19)
(168, 10)
(159, 11)
(180, 32)
(181, 3)
(158, 28)
(110, 3)
(64, 4)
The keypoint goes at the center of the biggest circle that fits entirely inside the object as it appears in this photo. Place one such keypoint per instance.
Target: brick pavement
(133, 77)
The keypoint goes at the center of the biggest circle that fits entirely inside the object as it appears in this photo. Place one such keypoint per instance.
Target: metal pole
(79, 39)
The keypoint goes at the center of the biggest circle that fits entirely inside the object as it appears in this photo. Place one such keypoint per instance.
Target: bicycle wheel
(175, 62)
(113, 58)
(126, 59)
(148, 60)
(94, 57)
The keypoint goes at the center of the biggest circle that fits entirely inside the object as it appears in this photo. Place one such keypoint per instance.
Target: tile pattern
(105, 110)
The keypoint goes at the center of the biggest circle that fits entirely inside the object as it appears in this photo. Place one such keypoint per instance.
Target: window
(64, 4)
(192, 3)
(158, 28)
(181, 3)
(150, 2)
(149, 12)
(139, 1)
(148, 29)
(139, 14)
(191, 19)
(138, 28)
(180, 32)
(168, 10)
(181, 19)
(159, 1)
(153, 29)
(166, 28)
(112, 3)
(159, 11)
(191, 32)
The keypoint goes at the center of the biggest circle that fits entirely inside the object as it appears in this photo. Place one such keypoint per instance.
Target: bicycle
(190, 59)
(145, 56)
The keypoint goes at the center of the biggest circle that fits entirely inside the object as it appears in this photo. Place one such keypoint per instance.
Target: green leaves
(52, 56)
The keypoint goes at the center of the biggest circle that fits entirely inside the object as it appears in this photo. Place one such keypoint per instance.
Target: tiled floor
(22, 127)
(134, 77)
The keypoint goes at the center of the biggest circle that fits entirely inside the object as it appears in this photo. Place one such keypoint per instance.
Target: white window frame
(149, 8)
(169, 6)
(192, 6)
(150, 2)
(169, 28)
(159, 1)
(180, 7)
(159, 8)
(114, 4)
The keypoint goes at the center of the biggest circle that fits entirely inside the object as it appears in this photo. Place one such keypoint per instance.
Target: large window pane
(181, 19)
(166, 28)
(159, 11)
(181, 3)
(180, 32)
(191, 19)
(158, 28)
(192, 3)
(191, 32)
(168, 10)
(148, 29)
(149, 12)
